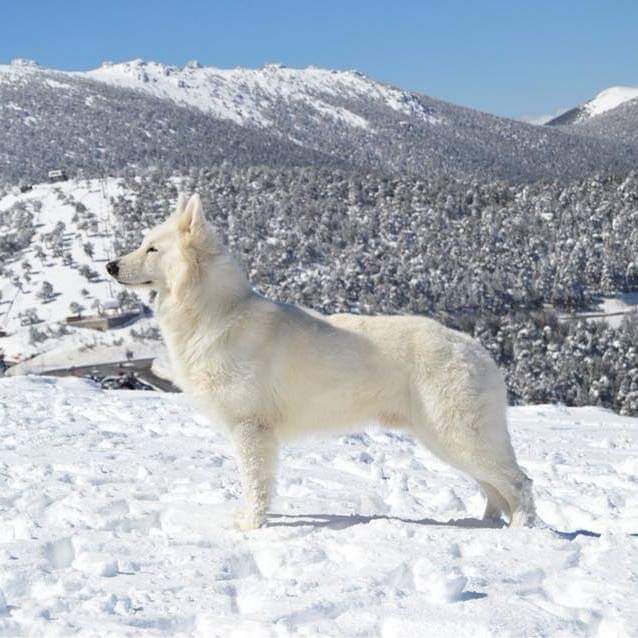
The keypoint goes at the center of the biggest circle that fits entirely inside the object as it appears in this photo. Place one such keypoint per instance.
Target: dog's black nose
(112, 268)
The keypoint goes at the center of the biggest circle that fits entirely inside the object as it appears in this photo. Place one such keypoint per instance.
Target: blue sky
(511, 58)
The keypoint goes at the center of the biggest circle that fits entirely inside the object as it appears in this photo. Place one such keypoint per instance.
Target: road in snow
(115, 509)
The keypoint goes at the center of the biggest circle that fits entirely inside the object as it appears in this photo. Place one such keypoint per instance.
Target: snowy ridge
(609, 99)
(242, 95)
(22, 71)
(603, 102)
(18, 69)
(116, 511)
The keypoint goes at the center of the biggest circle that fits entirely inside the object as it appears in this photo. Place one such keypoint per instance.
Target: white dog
(270, 371)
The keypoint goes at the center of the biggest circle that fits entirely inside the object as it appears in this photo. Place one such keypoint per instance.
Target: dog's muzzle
(112, 268)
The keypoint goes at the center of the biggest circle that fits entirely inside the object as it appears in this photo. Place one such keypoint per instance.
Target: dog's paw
(248, 519)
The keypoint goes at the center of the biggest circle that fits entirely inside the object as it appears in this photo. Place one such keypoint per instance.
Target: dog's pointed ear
(191, 220)
(181, 203)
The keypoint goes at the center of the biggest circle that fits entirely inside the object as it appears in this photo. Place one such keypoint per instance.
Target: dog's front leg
(256, 456)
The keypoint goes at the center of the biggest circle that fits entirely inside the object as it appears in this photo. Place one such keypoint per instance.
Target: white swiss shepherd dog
(270, 371)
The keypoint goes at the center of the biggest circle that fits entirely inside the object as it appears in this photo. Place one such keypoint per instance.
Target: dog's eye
(152, 249)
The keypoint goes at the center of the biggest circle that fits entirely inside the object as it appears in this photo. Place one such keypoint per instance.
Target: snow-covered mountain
(601, 103)
(144, 113)
(612, 115)
(116, 511)
(252, 96)
(619, 124)
(52, 119)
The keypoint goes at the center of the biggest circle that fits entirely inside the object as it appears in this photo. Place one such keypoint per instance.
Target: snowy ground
(115, 508)
(66, 280)
(78, 344)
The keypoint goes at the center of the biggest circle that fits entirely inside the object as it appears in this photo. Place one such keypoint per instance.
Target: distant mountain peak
(611, 98)
(247, 96)
(602, 102)
(22, 62)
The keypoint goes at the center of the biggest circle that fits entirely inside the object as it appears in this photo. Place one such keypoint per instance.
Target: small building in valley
(58, 175)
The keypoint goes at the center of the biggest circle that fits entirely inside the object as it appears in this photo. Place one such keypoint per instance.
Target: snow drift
(116, 505)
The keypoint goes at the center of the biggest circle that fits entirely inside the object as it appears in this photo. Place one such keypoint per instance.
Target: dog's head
(177, 245)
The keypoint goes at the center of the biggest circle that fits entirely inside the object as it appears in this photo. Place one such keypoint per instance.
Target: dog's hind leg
(256, 449)
(468, 429)
(506, 486)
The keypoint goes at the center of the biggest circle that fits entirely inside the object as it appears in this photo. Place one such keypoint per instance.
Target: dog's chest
(219, 375)
(218, 369)
(209, 371)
